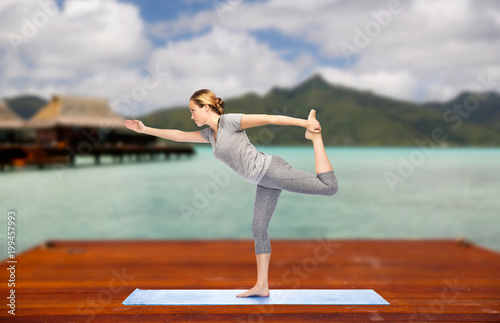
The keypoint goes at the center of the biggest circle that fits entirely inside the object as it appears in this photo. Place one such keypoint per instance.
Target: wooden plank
(424, 280)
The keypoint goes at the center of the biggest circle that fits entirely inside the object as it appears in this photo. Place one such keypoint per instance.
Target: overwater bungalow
(10, 125)
(68, 120)
(69, 126)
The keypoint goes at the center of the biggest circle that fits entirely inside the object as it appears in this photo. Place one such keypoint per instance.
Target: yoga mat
(277, 296)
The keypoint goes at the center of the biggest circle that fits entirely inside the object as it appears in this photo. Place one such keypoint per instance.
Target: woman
(226, 133)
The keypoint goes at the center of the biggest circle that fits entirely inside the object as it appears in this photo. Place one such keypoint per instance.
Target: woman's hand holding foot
(313, 128)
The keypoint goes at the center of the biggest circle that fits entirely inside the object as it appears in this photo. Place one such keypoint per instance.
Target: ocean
(389, 193)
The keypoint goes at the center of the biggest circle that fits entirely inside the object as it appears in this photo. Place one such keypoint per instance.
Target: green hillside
(482, 109)
(347, 117)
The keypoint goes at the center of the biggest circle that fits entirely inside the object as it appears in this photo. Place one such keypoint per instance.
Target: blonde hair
(205, 96)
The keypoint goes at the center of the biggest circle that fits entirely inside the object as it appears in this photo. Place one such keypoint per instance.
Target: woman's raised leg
(322, 162)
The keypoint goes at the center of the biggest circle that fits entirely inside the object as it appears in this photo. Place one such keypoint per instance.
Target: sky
(146, 54)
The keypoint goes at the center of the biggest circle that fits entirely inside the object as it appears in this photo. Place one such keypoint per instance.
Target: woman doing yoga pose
(272, 174)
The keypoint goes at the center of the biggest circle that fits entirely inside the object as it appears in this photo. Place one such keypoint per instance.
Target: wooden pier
(23, 155)
(423, 280)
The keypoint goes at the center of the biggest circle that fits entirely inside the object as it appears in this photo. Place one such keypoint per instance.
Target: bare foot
(255, 291)
(309, 135)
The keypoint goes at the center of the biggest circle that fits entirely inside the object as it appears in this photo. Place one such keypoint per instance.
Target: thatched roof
(76, 112)
(8, 119)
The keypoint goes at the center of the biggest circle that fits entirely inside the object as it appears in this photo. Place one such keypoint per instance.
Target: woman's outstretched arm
(170, 134)
(255, 120)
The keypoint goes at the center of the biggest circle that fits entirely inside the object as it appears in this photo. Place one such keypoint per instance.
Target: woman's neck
(214, 121)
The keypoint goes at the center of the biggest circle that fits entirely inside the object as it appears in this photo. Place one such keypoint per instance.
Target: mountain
(349, 117)
(26, 106)
(482, 109)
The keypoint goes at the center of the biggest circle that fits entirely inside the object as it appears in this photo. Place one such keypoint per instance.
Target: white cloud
(230, 63)
(429, 40)
(430, 51)
(184, 24)
(98, 48)
(92, 35)
(74, 47)
(397, 84)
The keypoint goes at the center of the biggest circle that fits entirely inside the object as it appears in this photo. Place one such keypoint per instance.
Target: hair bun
(220, 103)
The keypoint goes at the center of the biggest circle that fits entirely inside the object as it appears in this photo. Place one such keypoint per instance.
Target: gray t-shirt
(235, 150)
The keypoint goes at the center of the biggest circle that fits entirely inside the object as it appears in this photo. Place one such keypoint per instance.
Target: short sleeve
(205, 133)
(232, 121)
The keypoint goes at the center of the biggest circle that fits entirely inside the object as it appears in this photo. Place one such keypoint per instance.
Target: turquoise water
(450, 193)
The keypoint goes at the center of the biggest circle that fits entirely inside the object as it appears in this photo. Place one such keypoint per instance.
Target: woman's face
(198, 114)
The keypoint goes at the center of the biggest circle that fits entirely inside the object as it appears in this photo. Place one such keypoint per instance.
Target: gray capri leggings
(281, 176)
